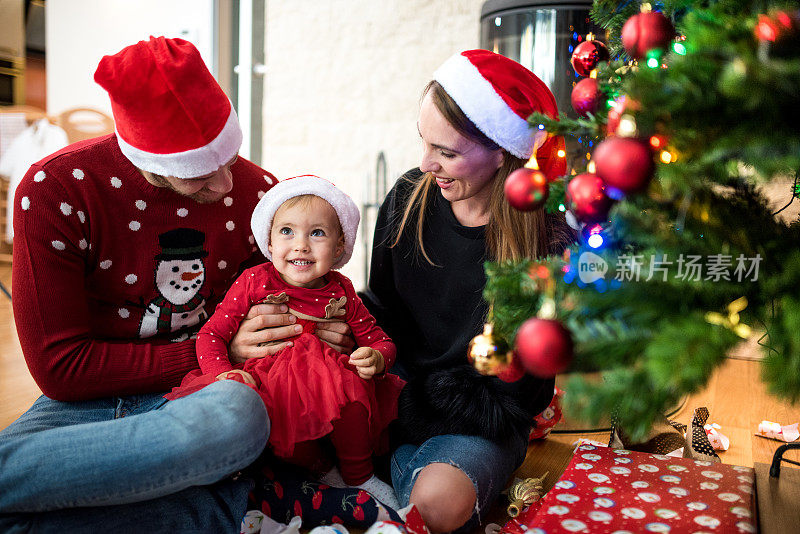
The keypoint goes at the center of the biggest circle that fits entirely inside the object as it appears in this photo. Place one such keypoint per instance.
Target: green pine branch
(728, 106)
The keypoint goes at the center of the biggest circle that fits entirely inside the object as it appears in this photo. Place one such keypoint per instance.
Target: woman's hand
(369, 362)
(337, 335)
(263, 323)
(247, 378)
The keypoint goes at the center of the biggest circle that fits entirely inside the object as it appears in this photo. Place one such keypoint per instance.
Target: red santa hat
(307, 184)
(498, 94)
(171, 116)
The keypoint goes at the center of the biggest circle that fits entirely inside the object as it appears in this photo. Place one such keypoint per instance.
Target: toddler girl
(306, 227)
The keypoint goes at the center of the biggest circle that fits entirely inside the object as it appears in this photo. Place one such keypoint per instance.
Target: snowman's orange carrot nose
(190, 276)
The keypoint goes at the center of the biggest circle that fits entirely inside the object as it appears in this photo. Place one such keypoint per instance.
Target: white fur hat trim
(346, 209)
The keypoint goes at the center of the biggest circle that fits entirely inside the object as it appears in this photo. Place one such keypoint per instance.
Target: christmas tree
(690, 107)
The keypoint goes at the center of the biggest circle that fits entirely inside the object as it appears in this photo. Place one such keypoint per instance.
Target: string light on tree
(667, 157)
(658, 141)
(595, 236)
(622, 107)
(779, 34)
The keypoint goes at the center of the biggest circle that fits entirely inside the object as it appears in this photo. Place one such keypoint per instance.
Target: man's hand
(246, 377)
(369, 362)
(337, 335)
(262, 324)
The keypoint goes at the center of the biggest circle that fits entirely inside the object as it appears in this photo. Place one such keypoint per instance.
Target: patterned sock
(381, 491)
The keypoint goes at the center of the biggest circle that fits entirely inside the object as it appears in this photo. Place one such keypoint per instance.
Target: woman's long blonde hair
(510, 234)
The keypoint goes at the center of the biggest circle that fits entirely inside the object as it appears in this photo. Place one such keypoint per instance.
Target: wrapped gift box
(615, 490)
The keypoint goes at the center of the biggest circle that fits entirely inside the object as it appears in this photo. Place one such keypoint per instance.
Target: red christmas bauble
(624, 163)
(586, 96)
(544, 347)
(586, 194)
(645, 31)
(587, 55)
(526, 189)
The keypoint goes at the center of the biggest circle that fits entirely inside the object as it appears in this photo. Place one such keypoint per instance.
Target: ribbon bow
(731, 322)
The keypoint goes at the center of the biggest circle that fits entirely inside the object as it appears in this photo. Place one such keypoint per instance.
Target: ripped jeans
(488, 465)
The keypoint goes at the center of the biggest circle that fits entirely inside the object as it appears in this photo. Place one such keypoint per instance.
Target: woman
(464, 434)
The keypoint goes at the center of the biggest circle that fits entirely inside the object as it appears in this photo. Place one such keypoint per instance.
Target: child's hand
(368, 362)
(246, 377)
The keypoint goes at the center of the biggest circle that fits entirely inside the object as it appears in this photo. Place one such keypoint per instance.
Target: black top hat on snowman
(182, 244)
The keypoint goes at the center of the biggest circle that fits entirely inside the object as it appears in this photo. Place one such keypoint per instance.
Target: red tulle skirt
(304, 388)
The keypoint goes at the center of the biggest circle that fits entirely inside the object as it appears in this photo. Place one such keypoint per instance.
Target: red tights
(351, 440)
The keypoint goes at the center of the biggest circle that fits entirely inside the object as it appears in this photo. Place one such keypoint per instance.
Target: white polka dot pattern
(678, 495)
(39, 176)
(131, 279)
(116, 182)
(182, 212)
(78, 174)
(134, 225)
(25, 203)
(141, 204)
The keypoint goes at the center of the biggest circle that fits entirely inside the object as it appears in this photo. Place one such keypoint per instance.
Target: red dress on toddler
(305, 386)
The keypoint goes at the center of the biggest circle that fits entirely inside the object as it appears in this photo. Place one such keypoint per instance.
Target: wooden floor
(738, 402)
(17, 388)
(735, 397)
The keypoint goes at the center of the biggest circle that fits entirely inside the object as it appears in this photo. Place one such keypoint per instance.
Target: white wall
(343, 77)
(80, 32)
(343, 83)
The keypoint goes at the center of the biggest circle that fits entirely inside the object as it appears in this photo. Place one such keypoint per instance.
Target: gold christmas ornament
(484, 356)
(524, 493)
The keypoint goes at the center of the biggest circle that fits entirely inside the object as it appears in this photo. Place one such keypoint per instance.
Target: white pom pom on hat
(307, 184)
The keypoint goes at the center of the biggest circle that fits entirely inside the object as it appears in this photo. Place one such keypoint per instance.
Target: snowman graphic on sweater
(180, 274)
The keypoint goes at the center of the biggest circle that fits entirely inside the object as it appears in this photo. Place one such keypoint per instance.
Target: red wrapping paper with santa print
(606, 490)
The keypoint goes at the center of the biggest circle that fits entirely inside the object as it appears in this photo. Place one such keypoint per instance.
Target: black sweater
(432, 312)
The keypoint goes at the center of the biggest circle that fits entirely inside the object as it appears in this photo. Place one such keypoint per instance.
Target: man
(124, 246)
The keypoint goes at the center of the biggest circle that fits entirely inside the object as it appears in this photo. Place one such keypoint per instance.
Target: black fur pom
(462, 401)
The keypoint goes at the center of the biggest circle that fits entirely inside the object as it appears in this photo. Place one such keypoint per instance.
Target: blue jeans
(132, 463)
(488, 465)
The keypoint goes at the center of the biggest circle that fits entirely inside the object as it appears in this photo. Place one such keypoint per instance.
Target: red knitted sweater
(112, 275)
